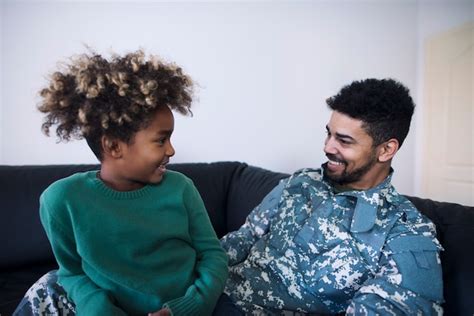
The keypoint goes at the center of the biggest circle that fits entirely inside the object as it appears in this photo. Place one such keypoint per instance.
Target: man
(340, 239)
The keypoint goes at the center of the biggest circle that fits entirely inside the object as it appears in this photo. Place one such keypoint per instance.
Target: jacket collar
(368, 202)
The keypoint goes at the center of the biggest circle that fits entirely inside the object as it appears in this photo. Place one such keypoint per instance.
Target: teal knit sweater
(134, 252)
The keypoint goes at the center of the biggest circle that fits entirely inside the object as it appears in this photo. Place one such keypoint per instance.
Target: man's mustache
(336, 158)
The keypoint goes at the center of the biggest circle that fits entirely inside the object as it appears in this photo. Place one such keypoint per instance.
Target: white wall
(265, 70)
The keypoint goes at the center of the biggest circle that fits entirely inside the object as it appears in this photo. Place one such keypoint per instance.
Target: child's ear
(388, 149)
(111, 147)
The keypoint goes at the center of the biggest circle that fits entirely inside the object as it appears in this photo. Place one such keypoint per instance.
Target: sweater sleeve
(409, 280)
(238, 243)
(88, 298)
(211, 266)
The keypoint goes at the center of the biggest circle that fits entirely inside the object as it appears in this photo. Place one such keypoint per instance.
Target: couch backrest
(21, 186)
(22, 235)
(248, 187)
(213, 181)
(230, 190)
(23, 240)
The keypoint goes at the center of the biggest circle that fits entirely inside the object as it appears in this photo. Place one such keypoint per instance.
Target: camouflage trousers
(47, 298)
(44, 298)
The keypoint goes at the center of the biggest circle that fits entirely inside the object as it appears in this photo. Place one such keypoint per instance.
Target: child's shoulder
(174, 178)
(68, 184)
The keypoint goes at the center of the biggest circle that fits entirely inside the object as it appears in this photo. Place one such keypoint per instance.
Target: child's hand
(161, 312)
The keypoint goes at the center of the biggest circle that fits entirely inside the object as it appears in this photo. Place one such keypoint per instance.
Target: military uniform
(46, 297)
(308, 248)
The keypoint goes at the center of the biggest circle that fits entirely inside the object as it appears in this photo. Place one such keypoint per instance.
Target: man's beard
(347, 178)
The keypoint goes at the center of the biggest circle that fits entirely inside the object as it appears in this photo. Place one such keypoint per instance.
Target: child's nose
(170, 150)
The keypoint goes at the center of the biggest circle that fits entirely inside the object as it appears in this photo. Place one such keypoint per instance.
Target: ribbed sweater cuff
(182, 306)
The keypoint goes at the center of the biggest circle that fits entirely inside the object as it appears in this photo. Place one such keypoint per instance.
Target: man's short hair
(383, 105)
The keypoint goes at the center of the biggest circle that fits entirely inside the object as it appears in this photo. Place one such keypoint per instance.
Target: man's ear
(388, 149)
(111, 147)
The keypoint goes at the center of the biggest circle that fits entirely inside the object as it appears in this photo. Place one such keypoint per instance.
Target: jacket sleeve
(88, 298)
(211, 266)
(409, 279)
(238, 243)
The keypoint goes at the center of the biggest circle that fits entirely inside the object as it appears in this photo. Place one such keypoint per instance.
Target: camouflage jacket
(309, 249)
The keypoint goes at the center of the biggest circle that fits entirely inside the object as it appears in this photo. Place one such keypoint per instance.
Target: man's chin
(330, 174)
(335, 178)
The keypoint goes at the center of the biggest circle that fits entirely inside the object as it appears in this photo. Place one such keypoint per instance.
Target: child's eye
(161, 141)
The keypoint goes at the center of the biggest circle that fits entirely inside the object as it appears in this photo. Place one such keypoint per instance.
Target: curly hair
(383, 105)
(92, 96)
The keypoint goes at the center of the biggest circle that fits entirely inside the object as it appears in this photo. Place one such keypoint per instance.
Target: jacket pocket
(417, 259)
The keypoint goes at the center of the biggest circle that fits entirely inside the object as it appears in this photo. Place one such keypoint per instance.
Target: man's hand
(161, 312)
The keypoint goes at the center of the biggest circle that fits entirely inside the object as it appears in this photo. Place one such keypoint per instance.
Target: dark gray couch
(230, 190)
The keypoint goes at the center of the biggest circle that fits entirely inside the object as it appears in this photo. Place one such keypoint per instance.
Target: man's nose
(329, 146)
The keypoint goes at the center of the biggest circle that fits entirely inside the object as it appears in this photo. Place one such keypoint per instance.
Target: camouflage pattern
(45, 298)
(309, 249)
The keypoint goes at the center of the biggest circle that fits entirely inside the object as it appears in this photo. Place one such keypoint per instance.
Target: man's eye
(343, 141)
(161, 141)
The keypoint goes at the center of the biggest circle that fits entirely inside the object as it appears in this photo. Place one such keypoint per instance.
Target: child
(132, 238)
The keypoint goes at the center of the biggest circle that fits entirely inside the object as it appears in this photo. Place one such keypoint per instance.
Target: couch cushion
(248, 188)
(21, 186)
(25, 253)
(14, 282)
(212, 181)
(20, 226)
(230, 190)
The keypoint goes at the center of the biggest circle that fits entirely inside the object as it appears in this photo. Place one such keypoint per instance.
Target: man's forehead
(343, 121)
(343, 124)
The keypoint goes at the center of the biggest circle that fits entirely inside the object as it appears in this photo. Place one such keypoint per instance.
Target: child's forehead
(161, 122)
